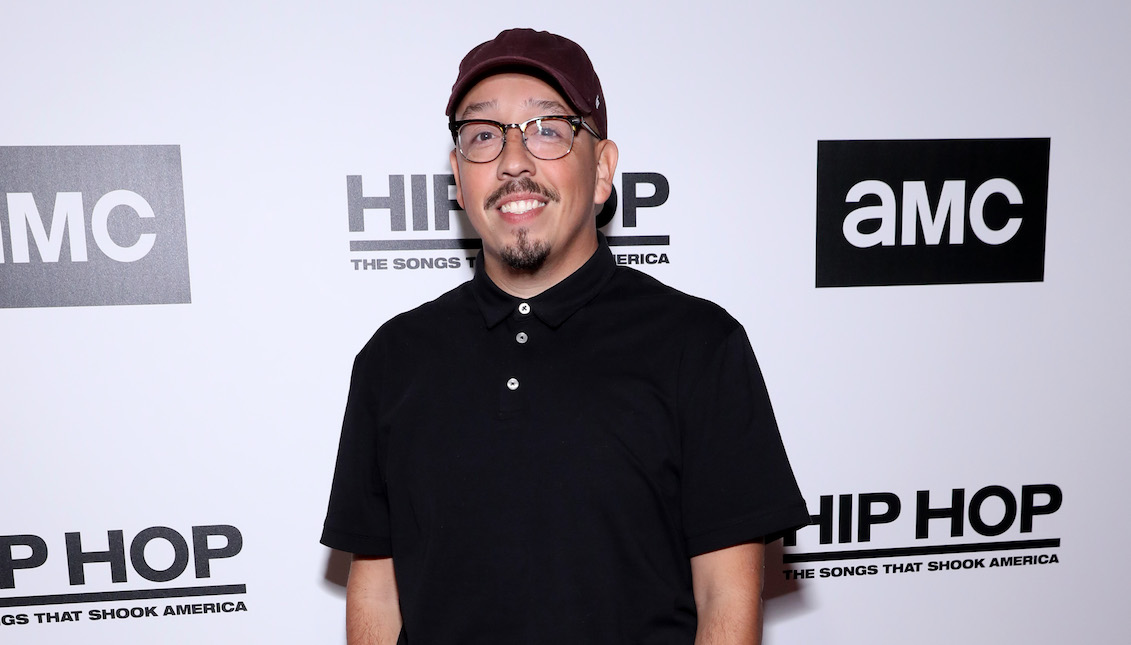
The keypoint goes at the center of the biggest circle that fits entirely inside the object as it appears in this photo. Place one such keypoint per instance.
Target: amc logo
(92, 225)
(67, 219)
(931, 212)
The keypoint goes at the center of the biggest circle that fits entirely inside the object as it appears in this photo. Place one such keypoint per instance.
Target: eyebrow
(476, 108)
(549, 105)
(546, 106)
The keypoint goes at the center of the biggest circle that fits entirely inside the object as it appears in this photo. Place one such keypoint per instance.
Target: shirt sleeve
(737, 484)
(357, 520)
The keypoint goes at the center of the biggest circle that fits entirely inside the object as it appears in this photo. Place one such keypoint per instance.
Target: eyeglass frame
(572, 119)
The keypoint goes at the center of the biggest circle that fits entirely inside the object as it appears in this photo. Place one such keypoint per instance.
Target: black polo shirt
(542, 470)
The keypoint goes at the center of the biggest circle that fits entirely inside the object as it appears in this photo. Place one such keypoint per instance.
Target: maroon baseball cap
(557, 59)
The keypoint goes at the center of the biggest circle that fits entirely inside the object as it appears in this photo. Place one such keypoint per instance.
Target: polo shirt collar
(554, 305)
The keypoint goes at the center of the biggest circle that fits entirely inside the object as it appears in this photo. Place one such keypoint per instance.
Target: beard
(523, 255)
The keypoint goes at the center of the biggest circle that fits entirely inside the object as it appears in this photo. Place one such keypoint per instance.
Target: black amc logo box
(931, 211)
(92, 225)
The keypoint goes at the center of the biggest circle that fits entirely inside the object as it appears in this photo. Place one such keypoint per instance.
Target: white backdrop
(226, 411)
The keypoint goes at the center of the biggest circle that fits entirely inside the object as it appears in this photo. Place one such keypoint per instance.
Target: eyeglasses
(481, 141)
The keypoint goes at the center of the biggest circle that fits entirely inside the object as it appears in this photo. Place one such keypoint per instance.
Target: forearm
(728, 595)
(373, 615)
(738, 623)
(369, 625)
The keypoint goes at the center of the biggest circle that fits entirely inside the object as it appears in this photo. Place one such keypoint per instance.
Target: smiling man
(560, 450)
(536, 219)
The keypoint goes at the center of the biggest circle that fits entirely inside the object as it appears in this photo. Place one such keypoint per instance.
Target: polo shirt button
(522, 337)
(512, 384)
(524, 308)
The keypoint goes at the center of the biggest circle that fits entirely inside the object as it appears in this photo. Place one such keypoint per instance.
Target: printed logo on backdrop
(92, 225)
(993, 528)
(931, 212)
(421, 226)
(158, 573)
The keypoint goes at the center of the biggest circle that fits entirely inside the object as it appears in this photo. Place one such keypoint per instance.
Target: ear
(607, 155)
(455, 173)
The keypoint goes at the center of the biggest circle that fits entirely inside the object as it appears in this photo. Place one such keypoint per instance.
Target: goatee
(525, 256)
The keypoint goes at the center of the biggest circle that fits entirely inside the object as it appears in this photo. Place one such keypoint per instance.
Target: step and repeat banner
(918, 213)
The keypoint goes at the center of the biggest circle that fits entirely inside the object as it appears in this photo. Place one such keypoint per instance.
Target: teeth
(521, 206)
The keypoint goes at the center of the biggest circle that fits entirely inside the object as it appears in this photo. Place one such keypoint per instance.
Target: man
(560, 450)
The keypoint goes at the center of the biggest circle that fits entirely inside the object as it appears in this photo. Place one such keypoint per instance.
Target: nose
(515, 160)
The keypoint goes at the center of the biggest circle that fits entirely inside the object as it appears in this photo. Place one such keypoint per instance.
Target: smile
(521, 206)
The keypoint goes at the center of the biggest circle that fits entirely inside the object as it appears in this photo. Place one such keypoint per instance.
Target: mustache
(520, 185)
